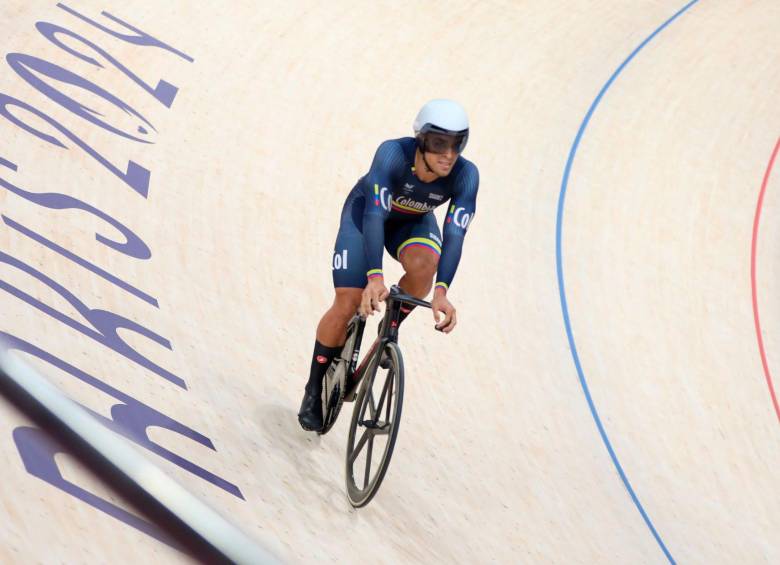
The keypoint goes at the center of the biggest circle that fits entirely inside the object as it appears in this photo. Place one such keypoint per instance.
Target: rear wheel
(334, 382)
(332, 396)
(374, 427)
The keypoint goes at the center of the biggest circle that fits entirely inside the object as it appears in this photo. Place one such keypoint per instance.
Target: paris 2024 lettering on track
(129, 416)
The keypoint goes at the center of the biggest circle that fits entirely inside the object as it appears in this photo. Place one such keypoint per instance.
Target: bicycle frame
(390, 321)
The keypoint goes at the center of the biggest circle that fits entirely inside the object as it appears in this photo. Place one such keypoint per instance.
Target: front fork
(391, 321)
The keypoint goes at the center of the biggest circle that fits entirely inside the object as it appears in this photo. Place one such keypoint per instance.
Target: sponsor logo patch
(435, 196)
(340, 260)
(406, 203)
(382, 197)
(321, 359)
(459, 217)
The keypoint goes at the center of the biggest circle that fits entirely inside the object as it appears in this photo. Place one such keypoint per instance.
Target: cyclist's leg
(349, 278)
(418, 248)
(349, 268)
(416, 244)
(332, 329)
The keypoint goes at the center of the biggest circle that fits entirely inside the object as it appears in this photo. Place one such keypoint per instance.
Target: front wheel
(374, 427)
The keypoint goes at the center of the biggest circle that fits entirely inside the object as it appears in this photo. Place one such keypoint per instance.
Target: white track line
(216, 530)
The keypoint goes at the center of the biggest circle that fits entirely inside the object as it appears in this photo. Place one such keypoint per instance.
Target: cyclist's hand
(374, 293)
(440, 305)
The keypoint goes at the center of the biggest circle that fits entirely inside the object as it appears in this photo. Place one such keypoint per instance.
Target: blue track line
(561, 288)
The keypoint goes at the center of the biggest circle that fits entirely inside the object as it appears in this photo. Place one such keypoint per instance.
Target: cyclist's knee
(420, 263)
(347, 301)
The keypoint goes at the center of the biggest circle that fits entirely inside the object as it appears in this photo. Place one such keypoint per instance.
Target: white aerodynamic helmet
(445, 117)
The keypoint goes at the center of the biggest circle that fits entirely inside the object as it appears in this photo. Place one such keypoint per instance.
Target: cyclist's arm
(377, 187)
(460, 214)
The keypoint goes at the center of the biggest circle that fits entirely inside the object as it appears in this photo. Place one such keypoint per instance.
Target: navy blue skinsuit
(390, 207)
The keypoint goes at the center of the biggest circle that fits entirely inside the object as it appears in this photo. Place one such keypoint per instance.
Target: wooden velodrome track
(608, 395)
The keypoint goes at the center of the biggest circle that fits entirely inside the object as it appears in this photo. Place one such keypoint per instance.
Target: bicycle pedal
(378, 425)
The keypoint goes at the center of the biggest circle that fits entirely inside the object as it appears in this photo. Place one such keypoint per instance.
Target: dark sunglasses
(440, 144)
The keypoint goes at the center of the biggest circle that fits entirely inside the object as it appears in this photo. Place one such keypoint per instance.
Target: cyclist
(392, 207)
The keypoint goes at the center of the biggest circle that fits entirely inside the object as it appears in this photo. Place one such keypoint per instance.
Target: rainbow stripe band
(423, 242)
(443, 285)
(374, 273)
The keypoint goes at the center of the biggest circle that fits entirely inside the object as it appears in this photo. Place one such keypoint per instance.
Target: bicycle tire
(331, 406)
(393, 392)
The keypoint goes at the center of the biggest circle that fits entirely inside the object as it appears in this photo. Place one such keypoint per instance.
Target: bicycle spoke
(388, 383)
(371, 404)
(355, 452)
(368, 460)
(390, 394)
(365, 405)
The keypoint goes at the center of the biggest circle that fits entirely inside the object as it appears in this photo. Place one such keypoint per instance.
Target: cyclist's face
(442, 152)
(441, 144)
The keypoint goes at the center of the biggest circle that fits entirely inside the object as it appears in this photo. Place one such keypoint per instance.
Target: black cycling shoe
(310, 414)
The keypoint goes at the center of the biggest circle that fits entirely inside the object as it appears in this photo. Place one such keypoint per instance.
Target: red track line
(753, 279)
